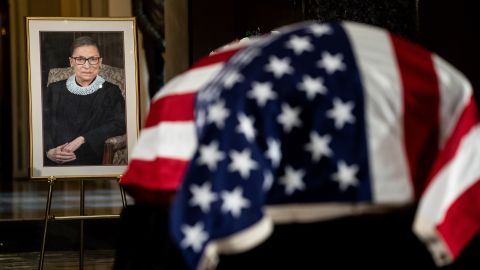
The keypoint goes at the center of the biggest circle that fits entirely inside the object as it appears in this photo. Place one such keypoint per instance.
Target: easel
(81, 217)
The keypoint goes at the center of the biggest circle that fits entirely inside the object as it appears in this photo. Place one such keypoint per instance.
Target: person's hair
(83, 41)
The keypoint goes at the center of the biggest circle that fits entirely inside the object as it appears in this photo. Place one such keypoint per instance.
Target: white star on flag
(267, 180)
(319, 30)
(318, 146)
(331, 63)
(274, 151)
(279, 67)
(233, 202)
(245, 126)
(217, 113)
(289, 118)
(195, 236)
(202, 196)
(242, 163)
(262, 92)
(210, 155)
(345, 175)
(292, 180)
(312, 86)
(299, 44)
(200, 119)
(231, 78)
(341, 113)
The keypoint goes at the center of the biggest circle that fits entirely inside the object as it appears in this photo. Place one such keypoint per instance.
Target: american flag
(319, 121)
(168, 140)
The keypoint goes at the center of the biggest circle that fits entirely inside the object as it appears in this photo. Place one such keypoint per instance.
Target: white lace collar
(76, 89)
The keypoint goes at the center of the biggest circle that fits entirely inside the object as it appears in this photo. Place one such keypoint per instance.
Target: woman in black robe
(80, 113)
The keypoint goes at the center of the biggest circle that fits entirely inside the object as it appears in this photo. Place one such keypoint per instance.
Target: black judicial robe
(96, 117)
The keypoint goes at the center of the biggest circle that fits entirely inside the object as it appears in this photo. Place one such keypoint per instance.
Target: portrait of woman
(81, 112)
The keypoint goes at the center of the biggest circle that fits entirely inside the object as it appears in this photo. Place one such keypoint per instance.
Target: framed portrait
(83, 96)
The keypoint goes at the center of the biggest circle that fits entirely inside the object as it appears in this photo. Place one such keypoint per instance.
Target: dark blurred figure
(150, 18)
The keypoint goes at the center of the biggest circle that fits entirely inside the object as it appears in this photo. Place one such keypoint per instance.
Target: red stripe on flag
(216, 58)
(421, 112)
(462, 221)
(159, 174)
(468, 119)
(171, 108)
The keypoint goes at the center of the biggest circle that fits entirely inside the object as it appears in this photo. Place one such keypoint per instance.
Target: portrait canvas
(83, 96)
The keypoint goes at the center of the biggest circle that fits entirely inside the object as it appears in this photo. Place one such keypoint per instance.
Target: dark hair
(83, 41)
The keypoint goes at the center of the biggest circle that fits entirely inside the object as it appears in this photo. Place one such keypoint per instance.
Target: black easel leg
(51, 181)
(82, 213)
(124, 196)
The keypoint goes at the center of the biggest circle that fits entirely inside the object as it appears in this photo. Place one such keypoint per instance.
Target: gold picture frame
(49, 61)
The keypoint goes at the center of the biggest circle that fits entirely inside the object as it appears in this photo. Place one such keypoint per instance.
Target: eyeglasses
(91, 60)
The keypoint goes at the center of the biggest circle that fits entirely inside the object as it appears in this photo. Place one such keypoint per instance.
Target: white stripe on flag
(455, 93)
(448, 185)
(381, 81)
(190, 81)
(172, 140)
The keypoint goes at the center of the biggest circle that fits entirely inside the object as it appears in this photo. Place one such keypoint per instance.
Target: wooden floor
(58, 260)
(22, 212)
